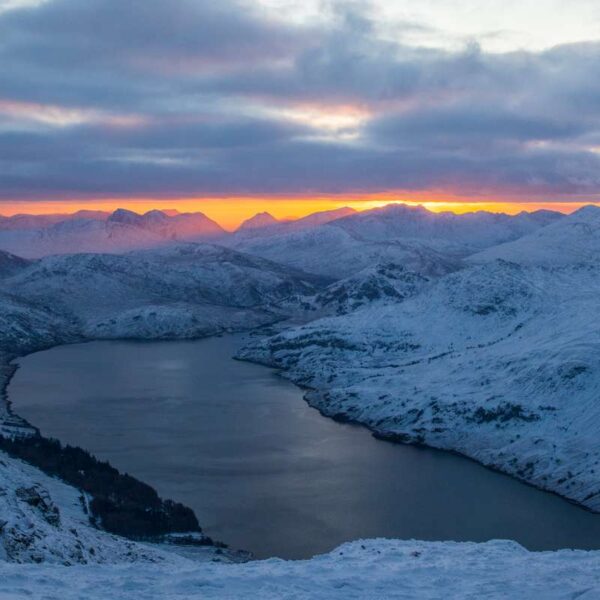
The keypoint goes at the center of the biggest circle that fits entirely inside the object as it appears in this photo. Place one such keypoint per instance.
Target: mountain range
(427, 242)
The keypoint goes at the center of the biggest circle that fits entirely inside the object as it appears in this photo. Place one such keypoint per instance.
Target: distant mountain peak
(588, 211)
(259, 220)
(323, 217)
(123, 215)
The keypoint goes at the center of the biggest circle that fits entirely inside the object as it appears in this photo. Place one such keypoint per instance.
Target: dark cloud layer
(193, 97)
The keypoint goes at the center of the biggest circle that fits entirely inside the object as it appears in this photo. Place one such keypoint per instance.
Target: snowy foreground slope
(44, 520)
(370, 569)
(498, 361)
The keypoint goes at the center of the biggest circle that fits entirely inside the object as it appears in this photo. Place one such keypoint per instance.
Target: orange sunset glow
(230, 212)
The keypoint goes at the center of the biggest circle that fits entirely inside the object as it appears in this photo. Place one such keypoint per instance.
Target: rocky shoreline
(317, 401)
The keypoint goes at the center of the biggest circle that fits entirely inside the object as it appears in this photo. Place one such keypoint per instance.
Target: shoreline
(311, 397)
(11, 423)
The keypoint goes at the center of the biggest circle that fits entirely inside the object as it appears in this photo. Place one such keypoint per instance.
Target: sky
(294, 106)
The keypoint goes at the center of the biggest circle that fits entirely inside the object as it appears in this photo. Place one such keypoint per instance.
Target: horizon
(282, 210)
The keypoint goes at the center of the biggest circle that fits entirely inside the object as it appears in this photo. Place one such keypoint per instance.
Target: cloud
(194, 97)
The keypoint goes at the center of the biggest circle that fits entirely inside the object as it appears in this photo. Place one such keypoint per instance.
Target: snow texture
(366, 570)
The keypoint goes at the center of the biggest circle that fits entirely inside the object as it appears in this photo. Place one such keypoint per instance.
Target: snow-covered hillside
(381, 284)
(11, 264)
(330, 251)
(575, 238)
(498, 361)
(365, 570)
(45, 520)
(421, 241)
(184, 290)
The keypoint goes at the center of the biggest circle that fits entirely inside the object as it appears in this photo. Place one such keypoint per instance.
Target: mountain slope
(330, 251)
(184, 290)
(24, 221)
(45, 520)
(259, 221)
(320, 218)
(11, 264)
(122, 231)
(468, 232)
(381, 284)
(575, 238)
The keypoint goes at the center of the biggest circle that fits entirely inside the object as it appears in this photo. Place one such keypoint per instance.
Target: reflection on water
(262, 470)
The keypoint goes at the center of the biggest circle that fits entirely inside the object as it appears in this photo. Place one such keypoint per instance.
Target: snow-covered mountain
(336, 243)
(182, 290)
(498, 361)
(268, 224)
(179, 226)
(469, 231)
(25, 221)
(320, 218)
(575, 238)
(259, 221)
(122, 231)
(422, 241)
(263, 225)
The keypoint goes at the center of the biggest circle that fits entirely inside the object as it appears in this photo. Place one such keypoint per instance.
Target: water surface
(262, 470)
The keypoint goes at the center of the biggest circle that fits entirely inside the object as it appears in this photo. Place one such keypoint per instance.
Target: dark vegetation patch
(120, 504)
(573, 371)
(502, 414)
